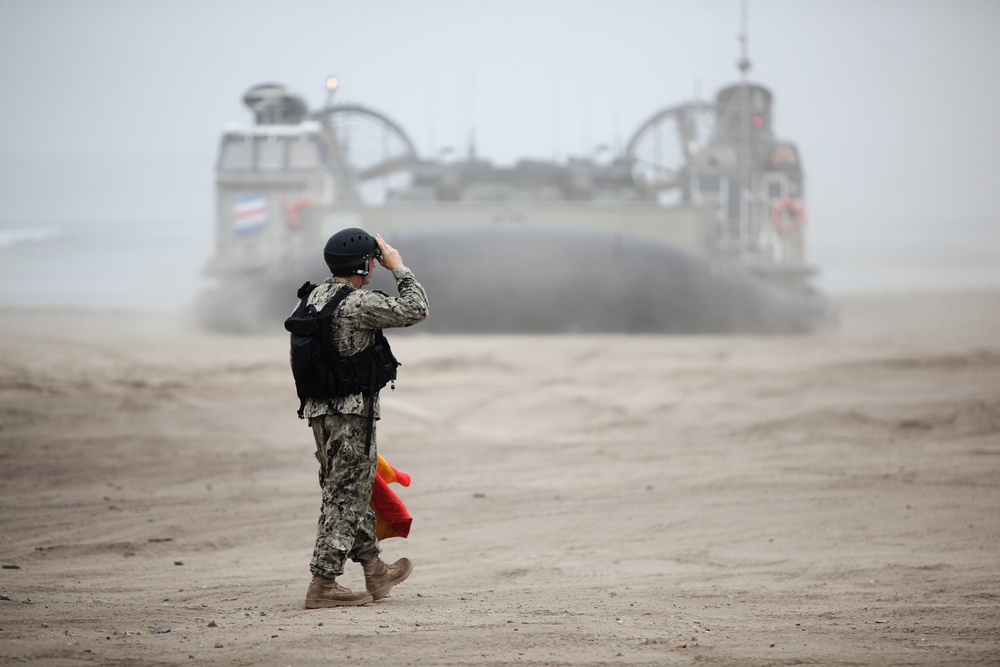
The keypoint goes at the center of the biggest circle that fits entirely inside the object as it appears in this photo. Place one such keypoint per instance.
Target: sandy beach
(578, 500)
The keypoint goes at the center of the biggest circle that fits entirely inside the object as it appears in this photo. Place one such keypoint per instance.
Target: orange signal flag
(393, 519)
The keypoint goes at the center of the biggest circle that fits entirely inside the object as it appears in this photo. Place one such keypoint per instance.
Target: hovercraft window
(708, 185)
(270, 153)
(303, 154)
(236, 154)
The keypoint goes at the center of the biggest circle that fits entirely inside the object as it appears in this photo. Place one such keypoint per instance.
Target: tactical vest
(322, 373)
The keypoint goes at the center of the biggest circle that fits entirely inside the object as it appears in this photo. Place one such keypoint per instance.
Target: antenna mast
(748, 188)
(744, 62)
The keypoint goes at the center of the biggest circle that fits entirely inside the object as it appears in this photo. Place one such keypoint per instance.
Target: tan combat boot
(325, 592)
(380, 578)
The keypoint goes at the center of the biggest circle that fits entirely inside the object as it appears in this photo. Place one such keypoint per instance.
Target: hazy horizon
(112, 109)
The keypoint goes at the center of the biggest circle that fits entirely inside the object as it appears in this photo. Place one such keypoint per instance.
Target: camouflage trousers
(346, 523)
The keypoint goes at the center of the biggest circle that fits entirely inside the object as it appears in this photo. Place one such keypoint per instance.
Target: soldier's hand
(390, 258)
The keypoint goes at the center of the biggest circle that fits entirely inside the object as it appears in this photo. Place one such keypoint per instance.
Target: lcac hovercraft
(696, 227)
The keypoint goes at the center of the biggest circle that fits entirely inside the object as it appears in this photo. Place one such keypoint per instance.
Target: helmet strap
(367, 267)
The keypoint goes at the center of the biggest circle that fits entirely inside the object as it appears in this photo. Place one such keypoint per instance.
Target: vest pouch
(374, 367)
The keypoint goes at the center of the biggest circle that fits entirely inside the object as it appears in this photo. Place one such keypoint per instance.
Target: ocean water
(142, 265)
(158, 266)
(904, 256)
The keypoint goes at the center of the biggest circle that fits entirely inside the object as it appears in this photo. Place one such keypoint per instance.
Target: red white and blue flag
(249, 213)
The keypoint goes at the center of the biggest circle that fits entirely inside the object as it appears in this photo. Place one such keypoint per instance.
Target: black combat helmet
(348, 251)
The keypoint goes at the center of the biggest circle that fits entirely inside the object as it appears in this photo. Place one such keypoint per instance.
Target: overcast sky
(112, 108)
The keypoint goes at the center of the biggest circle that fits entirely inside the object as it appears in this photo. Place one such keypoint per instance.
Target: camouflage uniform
(347, 524)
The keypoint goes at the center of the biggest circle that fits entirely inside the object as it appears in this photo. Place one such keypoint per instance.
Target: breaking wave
(19, 235)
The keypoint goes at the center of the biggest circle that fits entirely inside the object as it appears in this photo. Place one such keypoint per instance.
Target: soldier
(341, 425)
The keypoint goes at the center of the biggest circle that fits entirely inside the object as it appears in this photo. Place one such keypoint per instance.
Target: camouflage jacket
(361, 313)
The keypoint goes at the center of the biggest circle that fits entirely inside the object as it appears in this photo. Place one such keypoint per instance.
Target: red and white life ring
(788, 216)
(292, 212)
